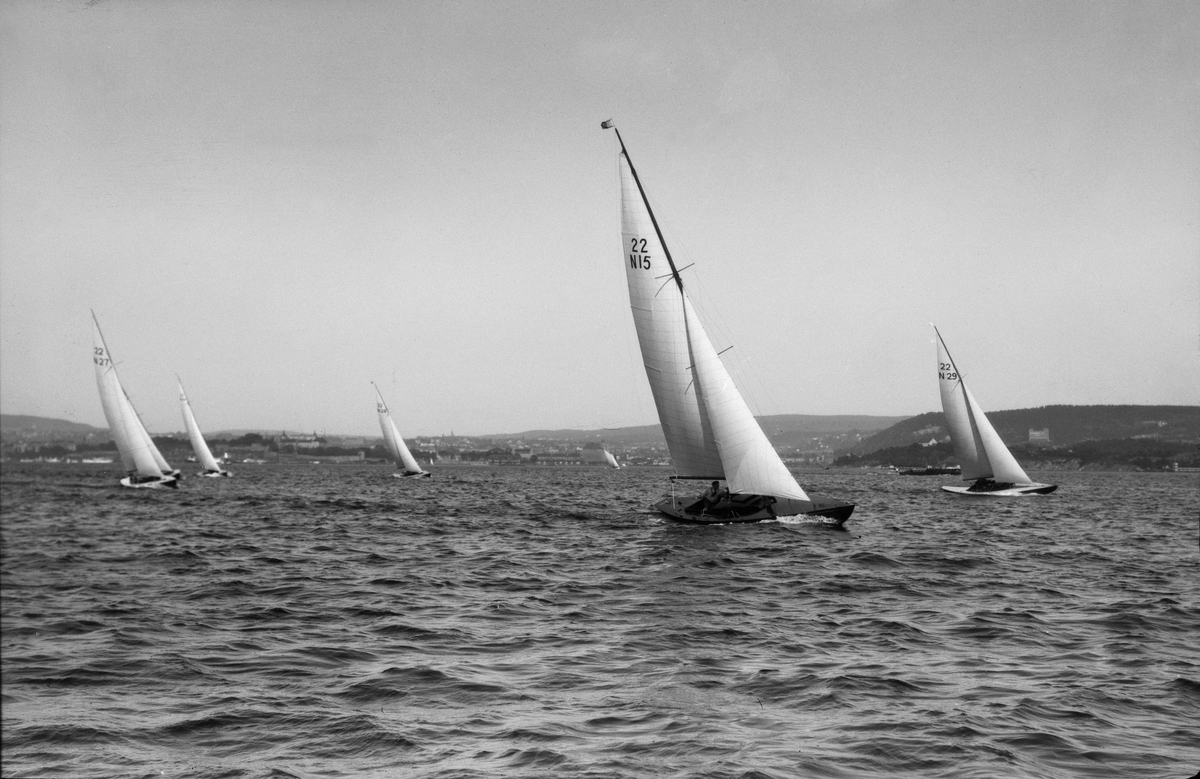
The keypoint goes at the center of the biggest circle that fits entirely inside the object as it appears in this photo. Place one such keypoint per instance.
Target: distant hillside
(1123, 454)
(21, 426)
(781, 429)
(613, 435)
(22, 422)
(794, 429)
(1067, 424)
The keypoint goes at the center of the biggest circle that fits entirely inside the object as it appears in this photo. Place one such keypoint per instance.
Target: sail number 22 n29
(638, 258)
(946, 371)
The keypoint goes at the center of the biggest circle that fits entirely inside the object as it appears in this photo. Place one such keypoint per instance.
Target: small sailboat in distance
(710, 431)
(204, 455)
(395, 444)
(146, 466)
(985, 460)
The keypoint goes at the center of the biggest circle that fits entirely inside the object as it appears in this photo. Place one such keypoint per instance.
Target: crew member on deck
(714, 494)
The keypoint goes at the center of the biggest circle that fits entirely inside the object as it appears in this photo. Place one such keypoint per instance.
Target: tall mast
(662, 241)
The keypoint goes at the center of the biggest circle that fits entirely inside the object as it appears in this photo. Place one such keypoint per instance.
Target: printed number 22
(637, 254)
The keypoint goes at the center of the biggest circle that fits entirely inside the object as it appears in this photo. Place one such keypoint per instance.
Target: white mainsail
(138, 452)
(392, 438)
(981, 452)
(963, 434)
(204, 455)
(710, 430)
(662, 330)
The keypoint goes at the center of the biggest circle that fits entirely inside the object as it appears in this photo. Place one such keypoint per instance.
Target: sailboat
(145, 465)
(204, 456)
(395, 444)
(985, 460)
(710, 431)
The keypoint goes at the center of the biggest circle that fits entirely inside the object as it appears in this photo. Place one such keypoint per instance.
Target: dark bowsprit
(754, 508)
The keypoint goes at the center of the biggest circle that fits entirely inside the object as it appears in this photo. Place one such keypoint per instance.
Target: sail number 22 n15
(638, 258)
(946, 371)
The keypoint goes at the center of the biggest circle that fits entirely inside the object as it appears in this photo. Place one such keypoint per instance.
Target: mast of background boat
(646, 201)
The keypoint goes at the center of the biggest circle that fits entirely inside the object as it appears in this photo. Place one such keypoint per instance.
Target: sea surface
(333, 621)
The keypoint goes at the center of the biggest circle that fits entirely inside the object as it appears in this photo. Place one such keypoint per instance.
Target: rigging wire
(740, 366)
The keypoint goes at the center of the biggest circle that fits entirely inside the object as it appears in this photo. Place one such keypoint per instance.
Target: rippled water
(331, 621)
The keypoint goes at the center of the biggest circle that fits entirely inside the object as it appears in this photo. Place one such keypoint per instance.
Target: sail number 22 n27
(638, 258)
(99, 357)
(946, 371)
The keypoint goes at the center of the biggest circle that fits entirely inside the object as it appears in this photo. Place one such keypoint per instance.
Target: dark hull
(754, 508)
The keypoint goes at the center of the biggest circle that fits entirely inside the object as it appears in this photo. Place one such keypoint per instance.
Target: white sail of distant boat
(145, 465)
(204, 456)
(610, 460)
(395, 444)
(985, 460)
(710, 431)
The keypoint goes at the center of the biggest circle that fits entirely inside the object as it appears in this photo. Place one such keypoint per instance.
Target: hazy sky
(284, 200)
